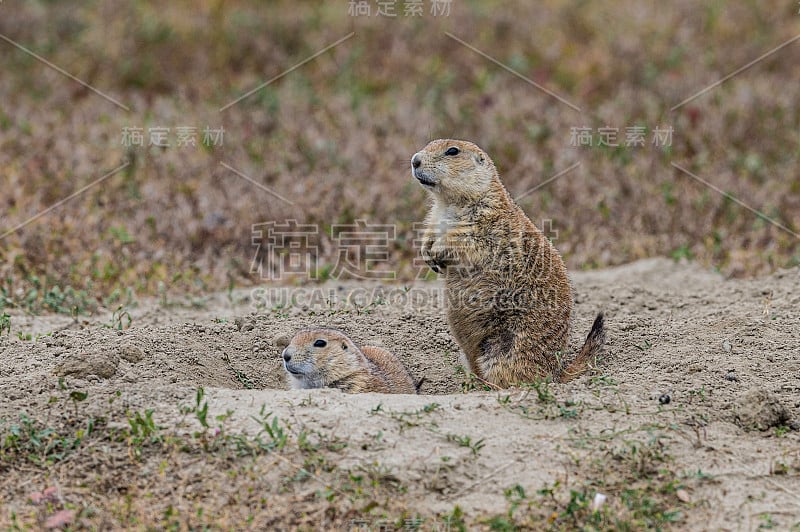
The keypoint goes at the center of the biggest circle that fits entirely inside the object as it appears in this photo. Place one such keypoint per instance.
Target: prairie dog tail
(592, 348)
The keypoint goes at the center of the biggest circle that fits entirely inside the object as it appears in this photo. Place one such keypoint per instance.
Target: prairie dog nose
(416, 160)
(286, 355)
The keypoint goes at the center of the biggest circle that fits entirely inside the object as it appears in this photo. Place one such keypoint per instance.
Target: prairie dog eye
(320, 343)
(452, 151)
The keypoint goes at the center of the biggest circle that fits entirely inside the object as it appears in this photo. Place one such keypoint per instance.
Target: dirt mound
(725, 352)
(758, 409)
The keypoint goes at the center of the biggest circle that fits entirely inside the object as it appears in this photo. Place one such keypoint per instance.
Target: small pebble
(243, 325)
(599, 501)
(794, 425)
(731, 376)
(281, 340)
(664, 399)
(726, 346)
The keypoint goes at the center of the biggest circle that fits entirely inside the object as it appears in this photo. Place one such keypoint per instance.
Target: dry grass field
(334, 136)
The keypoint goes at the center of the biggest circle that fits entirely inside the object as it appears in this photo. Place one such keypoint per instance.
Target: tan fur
(341, 364)
(509, 299)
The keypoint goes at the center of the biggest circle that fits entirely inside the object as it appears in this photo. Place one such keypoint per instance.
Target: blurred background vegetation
(335, 135)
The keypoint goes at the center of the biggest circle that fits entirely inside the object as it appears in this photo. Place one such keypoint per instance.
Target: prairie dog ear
(479, 158)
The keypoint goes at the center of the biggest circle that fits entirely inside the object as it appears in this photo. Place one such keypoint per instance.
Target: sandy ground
(724, 353)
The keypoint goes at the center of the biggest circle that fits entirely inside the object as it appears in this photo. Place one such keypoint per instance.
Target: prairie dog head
(315, 358)
(455, 170)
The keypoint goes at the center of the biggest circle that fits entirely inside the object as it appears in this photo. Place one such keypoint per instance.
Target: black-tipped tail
(591, 350)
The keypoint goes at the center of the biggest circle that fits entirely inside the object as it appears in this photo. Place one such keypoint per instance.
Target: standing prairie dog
(509, 301)
(326, 358)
